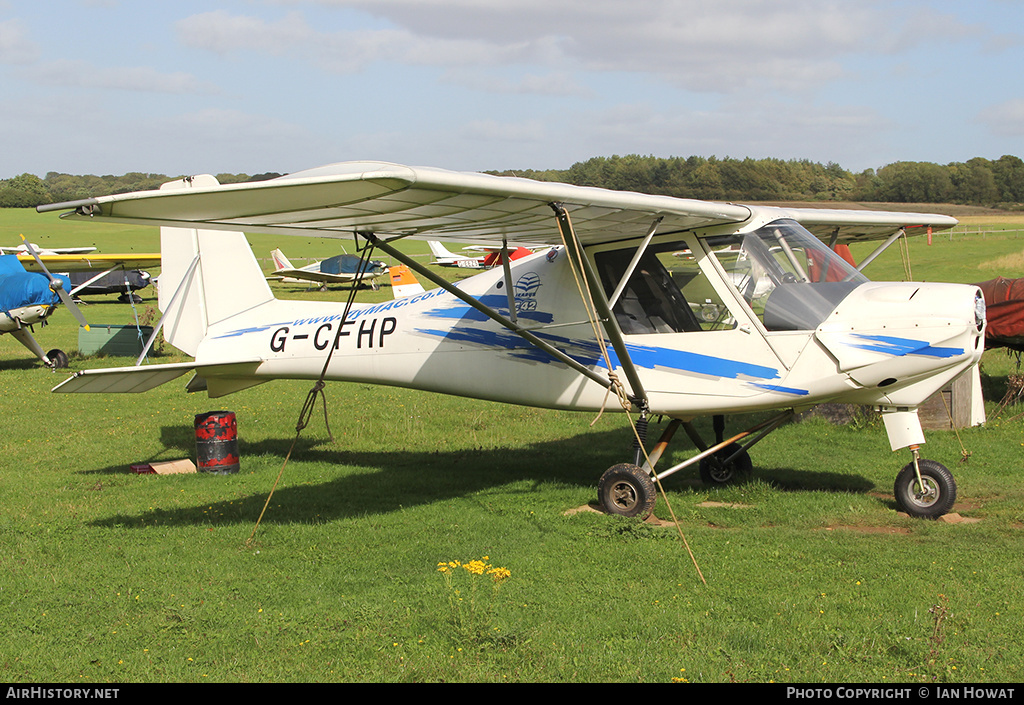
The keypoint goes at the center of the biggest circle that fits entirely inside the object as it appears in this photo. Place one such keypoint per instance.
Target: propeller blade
(57, 285)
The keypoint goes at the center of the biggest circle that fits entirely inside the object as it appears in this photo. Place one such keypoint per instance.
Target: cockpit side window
(666, 293)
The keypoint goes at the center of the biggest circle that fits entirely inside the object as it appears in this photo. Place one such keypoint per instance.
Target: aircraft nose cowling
(886, 334)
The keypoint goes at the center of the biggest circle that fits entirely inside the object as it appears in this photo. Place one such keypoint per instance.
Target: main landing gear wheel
(58, 359)
(930, 498)
(627, 490)
(714, 470)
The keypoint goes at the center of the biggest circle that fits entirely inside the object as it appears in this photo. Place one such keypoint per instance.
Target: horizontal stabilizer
(403, 282)
(123, 380)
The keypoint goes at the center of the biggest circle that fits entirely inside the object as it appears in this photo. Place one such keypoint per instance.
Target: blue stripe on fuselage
(903, 346)
(589, 353)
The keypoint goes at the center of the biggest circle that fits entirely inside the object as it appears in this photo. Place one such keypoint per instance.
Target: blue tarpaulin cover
(20, 288)
(347, 264)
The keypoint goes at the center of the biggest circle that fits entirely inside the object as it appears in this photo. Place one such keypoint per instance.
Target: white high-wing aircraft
(445, 258)
(608, 310)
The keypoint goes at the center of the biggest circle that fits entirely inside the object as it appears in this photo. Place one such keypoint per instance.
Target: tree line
(29, 191)
(996, 183)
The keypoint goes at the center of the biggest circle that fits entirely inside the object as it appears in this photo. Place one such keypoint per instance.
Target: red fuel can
(217, 442)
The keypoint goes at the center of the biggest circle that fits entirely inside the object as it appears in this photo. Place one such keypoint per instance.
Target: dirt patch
(727, 505)
(887, 530)
(595, 508)
(585, 508)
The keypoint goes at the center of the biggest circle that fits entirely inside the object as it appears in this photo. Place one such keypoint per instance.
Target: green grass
(108, 576)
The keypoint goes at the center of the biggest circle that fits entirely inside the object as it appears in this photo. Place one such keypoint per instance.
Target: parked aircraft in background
(89, 272)
(28, 298)
(340, 269)
(123, 282)
(444, 258)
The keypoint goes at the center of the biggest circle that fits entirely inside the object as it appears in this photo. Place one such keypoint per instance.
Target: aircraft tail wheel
(58, 359)
(627, 490)
(714, 470)
(930, 498)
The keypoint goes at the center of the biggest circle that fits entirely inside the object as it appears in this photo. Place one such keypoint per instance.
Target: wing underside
(398, 201)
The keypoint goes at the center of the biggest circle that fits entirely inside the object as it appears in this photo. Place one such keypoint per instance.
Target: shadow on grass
(383, 481)
(27, 363)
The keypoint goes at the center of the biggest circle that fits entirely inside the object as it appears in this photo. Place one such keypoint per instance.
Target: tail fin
(207, 276)
(280, 261)
(439, 250)
(403, 283)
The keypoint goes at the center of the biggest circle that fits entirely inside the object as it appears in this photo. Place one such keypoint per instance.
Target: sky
(254, 86)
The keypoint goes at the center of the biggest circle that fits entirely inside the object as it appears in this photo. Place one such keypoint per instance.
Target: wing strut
(880, 249)
(507, 271)
(600, 303)
(186, 281)
(489, 312)
(633, 263)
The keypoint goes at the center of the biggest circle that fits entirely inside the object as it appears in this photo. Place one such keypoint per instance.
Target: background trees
(978, 181)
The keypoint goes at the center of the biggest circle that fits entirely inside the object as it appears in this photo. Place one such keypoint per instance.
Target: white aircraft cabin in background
(763, 316)
(340, 269)
(445, 258)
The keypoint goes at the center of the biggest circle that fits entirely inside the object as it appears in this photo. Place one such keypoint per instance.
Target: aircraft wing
(145, 377)
(21, 249)
(322, 277)
(85, 263)
(394, 200)
(859, 225)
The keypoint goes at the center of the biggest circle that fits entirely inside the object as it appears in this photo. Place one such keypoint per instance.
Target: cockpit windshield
(787, 276)
(790, 279)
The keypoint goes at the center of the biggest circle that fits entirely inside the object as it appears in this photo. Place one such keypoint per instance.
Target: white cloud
(340, 51)
(551, 84)
(132, 78)
(530, 131)
(15, 45)
(722, 46)
(1005, 119)
(221, 32)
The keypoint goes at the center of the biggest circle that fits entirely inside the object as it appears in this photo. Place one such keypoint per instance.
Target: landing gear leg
(722, 461)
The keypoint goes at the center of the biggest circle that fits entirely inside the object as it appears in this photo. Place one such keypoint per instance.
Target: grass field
(811, 575)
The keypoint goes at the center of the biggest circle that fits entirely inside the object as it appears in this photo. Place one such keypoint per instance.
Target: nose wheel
(926, 491)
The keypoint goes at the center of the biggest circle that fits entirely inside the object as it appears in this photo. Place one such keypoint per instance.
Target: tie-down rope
(317, 389)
